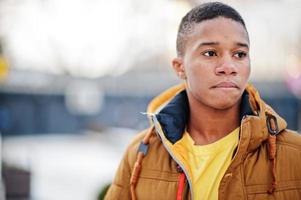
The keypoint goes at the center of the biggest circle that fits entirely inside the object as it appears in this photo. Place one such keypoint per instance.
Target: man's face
(216, 63)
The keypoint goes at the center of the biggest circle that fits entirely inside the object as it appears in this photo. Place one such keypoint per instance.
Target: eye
(240, 54)
(209, 53)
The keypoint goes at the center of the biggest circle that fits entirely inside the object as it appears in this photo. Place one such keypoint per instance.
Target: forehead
(221, 30)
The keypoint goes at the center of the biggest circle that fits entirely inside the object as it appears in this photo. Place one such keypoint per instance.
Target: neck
(207, 125)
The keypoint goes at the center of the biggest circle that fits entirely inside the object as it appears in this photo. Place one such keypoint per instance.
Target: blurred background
(76, 75)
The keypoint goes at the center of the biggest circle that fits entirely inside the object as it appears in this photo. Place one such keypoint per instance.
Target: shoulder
(136, 140)
(288, 158)
(157, 156)
(290, 139)
(289, 150)
(132, 150)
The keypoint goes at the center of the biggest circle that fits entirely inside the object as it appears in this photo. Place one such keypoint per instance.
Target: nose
(226, 67)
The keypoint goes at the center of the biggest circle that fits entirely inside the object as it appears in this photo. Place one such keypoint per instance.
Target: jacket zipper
(156, 123)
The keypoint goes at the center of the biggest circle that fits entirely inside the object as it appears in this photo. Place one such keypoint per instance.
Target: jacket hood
(171, 110)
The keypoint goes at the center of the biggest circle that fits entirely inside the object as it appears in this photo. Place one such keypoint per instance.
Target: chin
(218, 101)
(223, 105)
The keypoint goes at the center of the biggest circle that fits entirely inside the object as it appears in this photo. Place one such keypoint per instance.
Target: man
(211, 137)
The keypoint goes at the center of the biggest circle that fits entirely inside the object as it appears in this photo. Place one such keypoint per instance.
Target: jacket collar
(171, 110)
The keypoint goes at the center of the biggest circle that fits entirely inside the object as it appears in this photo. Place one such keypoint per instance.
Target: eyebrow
(242, 44)
(208, 44)
(217, 43)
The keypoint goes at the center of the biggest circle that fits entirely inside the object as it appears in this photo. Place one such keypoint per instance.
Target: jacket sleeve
(120, 188)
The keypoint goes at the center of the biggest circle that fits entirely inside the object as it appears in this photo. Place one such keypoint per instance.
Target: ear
(177, 64)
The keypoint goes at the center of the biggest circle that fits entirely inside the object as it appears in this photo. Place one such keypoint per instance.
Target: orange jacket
(266, 164)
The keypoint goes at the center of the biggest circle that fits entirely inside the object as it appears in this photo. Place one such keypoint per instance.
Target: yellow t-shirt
(207, 164)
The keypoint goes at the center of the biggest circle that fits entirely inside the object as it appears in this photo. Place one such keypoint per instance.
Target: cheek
(195, 80)
(246, 73)
(199, 70)
(199, 77)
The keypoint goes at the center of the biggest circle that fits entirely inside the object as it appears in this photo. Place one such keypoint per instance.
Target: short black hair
(201, 13)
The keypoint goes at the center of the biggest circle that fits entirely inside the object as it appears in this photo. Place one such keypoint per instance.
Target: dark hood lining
(174, 116)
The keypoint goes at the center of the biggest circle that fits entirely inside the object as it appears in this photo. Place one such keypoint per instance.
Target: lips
(226, 84)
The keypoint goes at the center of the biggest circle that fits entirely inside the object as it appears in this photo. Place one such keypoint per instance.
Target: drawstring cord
(181, 185)
(135, 174)
(272, 155)
(273, 130)
(271, 122)
(142, 151)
